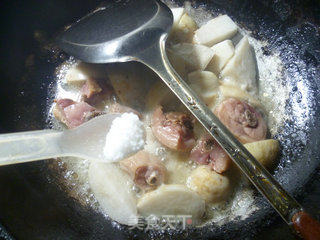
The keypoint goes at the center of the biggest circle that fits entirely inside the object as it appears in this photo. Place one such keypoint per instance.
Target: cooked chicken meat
(242, 120)
(72, 113)
(145, 169)
(208, 151)
(94, 91)
(220, 161)
(90, 88)
(173, 129)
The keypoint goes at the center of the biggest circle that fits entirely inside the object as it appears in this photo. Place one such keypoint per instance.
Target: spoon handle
(28, 146)
(155, 57)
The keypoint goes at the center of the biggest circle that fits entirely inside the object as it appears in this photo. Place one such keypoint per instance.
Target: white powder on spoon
(125, 137)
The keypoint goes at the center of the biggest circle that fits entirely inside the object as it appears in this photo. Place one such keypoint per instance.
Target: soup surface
(181, 172)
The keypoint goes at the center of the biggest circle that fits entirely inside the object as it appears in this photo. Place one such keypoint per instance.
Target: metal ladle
(136, 30)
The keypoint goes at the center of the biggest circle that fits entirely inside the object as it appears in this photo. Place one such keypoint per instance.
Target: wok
(34, 206)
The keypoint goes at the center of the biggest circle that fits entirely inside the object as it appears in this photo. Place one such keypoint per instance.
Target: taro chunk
(215, 30)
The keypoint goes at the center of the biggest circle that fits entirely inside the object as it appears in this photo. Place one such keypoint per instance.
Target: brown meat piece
(94, 91)
(208, 151)
(90, 88)
(173, 129)
(201, 152)
(242, 120)
(145, 169)
(73, 113)
(220, 160)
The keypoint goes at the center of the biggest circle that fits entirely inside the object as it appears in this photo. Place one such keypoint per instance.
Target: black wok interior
(32, 206)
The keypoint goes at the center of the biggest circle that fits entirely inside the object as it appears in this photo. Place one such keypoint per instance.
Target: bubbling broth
(181, 170)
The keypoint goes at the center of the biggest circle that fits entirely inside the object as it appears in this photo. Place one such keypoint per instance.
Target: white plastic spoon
(86, 141)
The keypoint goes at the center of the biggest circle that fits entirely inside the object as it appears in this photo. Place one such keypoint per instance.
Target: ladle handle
(28, 146)
(306, 226)
(155, 57)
